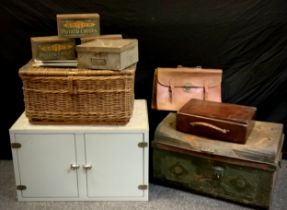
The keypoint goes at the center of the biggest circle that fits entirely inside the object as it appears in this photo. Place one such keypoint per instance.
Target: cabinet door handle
(87, 166)
(75, 166)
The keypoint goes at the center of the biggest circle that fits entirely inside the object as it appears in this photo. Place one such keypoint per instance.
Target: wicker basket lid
(31, 72)
(107, 45)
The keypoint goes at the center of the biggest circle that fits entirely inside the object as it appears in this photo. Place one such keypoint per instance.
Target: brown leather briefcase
(221, 121)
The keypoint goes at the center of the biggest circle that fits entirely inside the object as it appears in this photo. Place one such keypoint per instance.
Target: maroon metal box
(222, 121)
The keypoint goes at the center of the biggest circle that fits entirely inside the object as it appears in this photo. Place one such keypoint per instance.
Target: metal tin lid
(77, 16)
(107, 45)
(40, 39)
(106, 36)
(263, 145)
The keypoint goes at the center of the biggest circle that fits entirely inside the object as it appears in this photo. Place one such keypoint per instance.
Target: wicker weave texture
(70, 95)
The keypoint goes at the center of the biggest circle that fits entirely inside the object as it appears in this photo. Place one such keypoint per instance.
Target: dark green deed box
(243, 173)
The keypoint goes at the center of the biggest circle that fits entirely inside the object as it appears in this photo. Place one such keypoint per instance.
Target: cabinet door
(44, 162)
(117, 165)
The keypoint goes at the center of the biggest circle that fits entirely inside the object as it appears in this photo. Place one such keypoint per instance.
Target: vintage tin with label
(78, 25)
(115, 54)
(243, 173)
(52, 48)
(222, 121)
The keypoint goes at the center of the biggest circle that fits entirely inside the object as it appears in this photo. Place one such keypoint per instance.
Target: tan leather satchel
(173, 87)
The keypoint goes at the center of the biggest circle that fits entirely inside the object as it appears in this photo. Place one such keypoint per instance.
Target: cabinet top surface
(138, 122)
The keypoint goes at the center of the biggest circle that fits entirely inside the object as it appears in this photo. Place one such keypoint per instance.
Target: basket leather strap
(72, 85)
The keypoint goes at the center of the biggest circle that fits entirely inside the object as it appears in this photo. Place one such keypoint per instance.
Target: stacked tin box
(92, 82)
(219, 149)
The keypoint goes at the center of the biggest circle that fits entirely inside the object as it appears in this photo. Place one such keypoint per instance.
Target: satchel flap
(193, 77)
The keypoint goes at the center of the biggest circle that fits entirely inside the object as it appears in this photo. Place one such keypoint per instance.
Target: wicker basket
(70, 95)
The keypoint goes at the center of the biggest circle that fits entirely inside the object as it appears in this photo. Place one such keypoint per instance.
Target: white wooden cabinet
(71, 162)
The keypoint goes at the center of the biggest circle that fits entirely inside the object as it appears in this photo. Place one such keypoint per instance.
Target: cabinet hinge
(21, 187)
(142, 187)
(142, 144)
(15, 145)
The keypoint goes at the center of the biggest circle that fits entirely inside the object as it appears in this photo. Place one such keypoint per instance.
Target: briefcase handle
(196, 67)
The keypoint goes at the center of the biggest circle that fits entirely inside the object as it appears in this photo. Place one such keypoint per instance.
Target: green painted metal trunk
(241, 173)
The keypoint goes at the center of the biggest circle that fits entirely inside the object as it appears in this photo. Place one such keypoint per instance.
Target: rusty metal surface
(247, 185)
(263, 145)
